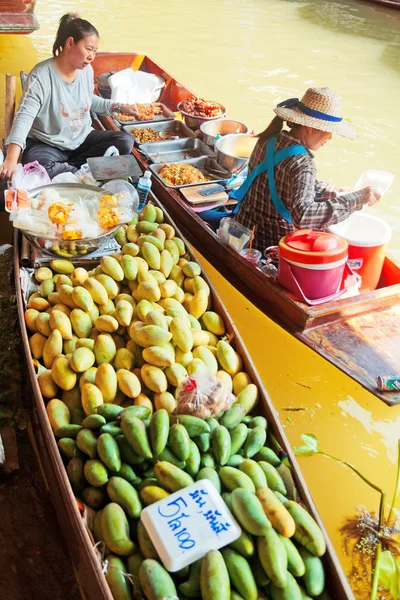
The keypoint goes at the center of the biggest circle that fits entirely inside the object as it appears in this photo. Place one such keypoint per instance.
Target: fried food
(198, 107)
(145, 134)
(144, 112)
(181, 174)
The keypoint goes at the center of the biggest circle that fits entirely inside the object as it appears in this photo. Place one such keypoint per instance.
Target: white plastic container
(189, 523)
(379, 181)
(143, 188)
(129, 86)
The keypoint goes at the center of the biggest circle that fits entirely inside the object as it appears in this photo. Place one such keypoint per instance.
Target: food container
(210, 129)
(311, 265)
(233, 233)
(379, 181)
(129, 86)
(73, 248)
(252, 255)
(195, 122)
(367, 237)
(175, 150)
(174, 128)
(208, 166)
(167, 115)
(233, 151)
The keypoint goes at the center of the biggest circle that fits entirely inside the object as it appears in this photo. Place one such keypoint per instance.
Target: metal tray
(208, 166)
(176, 128)
(167, 115)
(175, 150)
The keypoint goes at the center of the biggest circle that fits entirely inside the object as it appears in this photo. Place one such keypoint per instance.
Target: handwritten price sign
(189, 523)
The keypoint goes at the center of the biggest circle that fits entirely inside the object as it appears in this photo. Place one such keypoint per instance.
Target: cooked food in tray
(146, 134)
(145, 112)
(181, 174)
(198, 107)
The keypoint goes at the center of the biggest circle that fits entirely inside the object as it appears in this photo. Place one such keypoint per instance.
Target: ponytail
(274, 128)
(71, 25)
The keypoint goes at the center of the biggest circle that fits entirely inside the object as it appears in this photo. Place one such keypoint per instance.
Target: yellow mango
(52, 348)
(127, 298)
(168, 230)
(226, 379)
(149, 213)
(62, 266)
(111, 267)
(84, 343)
(43, 324)
(240, 381)
(133, 330)
(180, 246)
(54, 298)
(154, 317)
(129, 249)
(166, 263)
(142, 308)
(196, 366)
(228, 358)
(81, 323)
(150, 291)
(181, 334)
(91, 398)
(47, 287)
(165, 400)
(200, 338)
(159, 356)
(106, 324)
(168, 288)
(151, 255)
(47, 385)
(82, 298)
(128, 383)
(200, 284)
(30, 318)
(191, 269)
(62, 373)
(248, 397)
(179, 295)
(199, 303)
(129, 266)
(109, 284)
(39, 304)
(58, 414)
(94, 313)
(82, 359)
(124, 313)
(88, 376)
(207, 357)
(183, 358)
(154, 379)
(152, 335)
(65, 293)
(143, 400)
(213, 322)
(177, 275)
(79, 276)
(176, 374)
(124, 359)
(108, 309)
(187, 298)
(104, 349)
(42, 274)
(96, 290)
(132, 234)
(62, 280)
(62, 307)
(59, 320)
(173, 250)
(36, 343)
(106, 381)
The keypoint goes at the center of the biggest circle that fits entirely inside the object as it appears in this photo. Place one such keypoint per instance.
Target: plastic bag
(30, 176)
(202, 395)
(67, 177)
(111, 151)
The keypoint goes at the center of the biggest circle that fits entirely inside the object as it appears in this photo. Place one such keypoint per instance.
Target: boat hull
(83, 556)
(17, 16)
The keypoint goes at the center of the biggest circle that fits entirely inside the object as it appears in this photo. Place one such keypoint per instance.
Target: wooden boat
(17, 16)
(359, 335)
(388, 3)
(77, 535)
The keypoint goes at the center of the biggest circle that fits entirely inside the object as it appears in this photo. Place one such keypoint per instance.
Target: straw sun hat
(320, 108)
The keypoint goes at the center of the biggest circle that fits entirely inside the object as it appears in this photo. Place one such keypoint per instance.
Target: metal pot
(234, 150)
(211, 129)
(194, 122)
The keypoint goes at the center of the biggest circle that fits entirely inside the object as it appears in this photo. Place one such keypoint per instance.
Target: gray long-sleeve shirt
(55, 112)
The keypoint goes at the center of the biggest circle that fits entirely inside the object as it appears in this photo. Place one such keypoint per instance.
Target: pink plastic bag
(30, 176)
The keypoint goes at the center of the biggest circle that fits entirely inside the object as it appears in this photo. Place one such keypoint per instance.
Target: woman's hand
(7, 169)
(130, 109)
(370, 198)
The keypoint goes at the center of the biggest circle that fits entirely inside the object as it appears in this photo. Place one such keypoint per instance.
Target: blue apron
(268, 165)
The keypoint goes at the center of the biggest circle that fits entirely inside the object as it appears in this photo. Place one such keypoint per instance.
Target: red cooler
(311, 265)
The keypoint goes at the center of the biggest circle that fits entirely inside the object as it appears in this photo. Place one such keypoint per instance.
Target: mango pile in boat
(111, 346)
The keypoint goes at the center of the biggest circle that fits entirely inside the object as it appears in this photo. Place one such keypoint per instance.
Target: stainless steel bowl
(72, 248)
(195, 122)
(211, 129)
(233, 151)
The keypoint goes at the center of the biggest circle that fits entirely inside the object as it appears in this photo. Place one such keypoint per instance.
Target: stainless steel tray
(208, 166)
(175, 150)
(176, 128)
(167, 115)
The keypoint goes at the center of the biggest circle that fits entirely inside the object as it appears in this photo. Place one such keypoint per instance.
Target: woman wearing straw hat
(281, 192)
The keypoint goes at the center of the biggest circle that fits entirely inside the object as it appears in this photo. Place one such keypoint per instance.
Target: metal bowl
(234, 150)
(194, 122)
(72, 248)
(211, 129)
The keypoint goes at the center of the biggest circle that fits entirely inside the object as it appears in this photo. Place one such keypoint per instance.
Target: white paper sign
(189, 523)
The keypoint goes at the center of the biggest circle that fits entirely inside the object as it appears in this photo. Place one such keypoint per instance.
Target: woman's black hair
(71, 25)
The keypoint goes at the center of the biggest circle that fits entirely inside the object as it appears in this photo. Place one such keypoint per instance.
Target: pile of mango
(111, 346)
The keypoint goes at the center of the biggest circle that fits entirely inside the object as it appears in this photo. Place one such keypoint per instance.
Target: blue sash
(268, 165)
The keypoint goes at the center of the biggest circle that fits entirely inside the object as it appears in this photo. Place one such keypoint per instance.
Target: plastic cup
(252, 255)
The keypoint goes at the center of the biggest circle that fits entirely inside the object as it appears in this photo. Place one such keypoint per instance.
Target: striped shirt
(312, 204)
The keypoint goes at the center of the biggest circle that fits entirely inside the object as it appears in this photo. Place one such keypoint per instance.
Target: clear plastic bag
(30, 176)
(203, 395)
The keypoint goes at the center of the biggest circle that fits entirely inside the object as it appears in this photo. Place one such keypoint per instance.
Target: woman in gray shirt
(53, 123)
